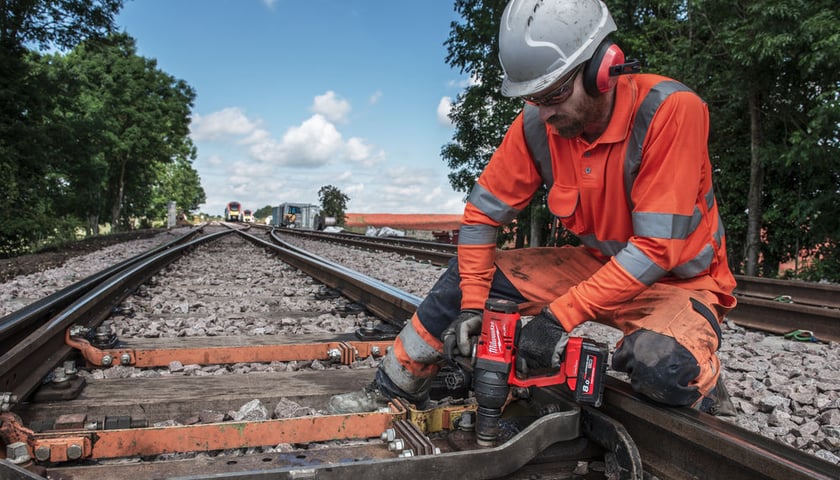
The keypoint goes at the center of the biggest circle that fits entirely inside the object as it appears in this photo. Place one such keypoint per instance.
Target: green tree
(29, 99)
(263, 212)
(333, 203)
(179, 182)
(143, 114)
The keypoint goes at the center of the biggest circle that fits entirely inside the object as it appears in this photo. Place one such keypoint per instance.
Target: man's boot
(368, 399)
(374, 396)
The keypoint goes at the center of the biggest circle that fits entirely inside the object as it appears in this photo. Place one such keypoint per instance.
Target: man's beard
(564, 127)
(570, 130)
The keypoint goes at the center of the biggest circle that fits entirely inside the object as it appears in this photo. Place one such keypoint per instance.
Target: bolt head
(74, 452)
(42, 453)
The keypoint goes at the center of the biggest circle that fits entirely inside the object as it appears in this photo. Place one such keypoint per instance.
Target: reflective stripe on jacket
(640, 198)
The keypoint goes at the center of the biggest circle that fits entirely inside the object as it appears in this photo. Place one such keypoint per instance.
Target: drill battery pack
(586, 369)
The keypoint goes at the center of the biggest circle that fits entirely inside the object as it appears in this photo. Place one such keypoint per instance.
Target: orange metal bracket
(81, 444)
(344, 352)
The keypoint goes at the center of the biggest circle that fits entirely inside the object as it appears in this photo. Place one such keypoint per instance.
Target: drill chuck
(487, 426)
(490, 384)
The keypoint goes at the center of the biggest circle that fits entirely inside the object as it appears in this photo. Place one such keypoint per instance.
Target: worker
(624, 157)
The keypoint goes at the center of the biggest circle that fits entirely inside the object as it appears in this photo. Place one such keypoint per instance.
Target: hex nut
(17, 453)
(388, 435)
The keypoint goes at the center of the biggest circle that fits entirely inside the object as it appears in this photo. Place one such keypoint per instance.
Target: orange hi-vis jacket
(640, 199)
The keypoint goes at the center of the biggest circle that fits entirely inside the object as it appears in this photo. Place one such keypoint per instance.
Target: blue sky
(295, 95)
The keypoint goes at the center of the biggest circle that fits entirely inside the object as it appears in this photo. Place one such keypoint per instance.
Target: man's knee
(659, 367)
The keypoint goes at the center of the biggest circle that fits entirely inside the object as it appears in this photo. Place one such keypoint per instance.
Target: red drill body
(582, 368)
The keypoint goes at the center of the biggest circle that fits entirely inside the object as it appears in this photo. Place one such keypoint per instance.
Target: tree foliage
(770, 72)
(143, 118)
(263, 212)
(90, 133)
(333, 203)
(31, 98)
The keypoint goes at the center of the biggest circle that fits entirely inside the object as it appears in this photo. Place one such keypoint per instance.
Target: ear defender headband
(602, 70)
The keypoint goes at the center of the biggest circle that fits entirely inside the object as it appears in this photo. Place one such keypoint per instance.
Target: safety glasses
(558, 95)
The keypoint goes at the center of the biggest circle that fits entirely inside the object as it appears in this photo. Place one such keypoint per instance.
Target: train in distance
(233, 212)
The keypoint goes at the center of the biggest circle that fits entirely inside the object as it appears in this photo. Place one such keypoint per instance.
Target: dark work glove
(540, 344)
(462, 334)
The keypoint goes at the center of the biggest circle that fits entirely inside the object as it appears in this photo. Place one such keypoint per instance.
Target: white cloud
(314, 143)
(375, 97)
(332, 107)
(257, 136)
(443, 109)
(359, 151)
(222, 124)
(354, 188)
(405, 176)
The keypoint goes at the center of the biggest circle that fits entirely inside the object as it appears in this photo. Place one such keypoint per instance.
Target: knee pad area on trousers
(659, 367)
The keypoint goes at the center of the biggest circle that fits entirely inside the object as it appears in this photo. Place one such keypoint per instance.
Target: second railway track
(231, 297)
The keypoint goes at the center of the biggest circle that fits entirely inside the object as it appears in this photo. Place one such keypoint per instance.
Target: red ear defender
(602, 71)
(613, 56)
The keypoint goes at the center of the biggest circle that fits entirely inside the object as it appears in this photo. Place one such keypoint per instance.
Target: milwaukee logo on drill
(495, 339)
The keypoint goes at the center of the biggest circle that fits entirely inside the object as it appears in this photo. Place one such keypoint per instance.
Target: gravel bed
(782, 389)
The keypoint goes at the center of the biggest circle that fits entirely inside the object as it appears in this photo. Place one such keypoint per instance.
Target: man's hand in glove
(540, 344)
(462, 333)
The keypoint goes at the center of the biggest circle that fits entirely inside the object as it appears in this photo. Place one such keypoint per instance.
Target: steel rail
(23, 366)
(680, 443)
(385, 301)
(17, 325)
(780, 318)
(789, 291)
(411, 242)
(436, 253)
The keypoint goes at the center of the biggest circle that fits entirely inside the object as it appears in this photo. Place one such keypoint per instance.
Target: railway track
(280, 336)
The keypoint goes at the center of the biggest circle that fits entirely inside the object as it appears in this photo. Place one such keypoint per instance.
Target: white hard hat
(542, 40)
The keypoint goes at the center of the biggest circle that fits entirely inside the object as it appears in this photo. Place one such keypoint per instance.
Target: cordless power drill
(582, 368)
